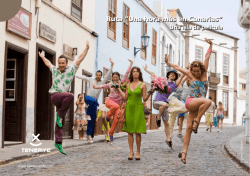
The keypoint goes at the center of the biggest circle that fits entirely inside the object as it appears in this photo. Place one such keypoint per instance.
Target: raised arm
(208, 54)
(177, 67)
(105, 86)
(109, 72)
(83, 55)
(179, 80)
(45, 60)
(127, 72)
(146, 69)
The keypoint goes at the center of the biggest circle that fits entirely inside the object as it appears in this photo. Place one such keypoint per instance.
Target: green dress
(134, 113)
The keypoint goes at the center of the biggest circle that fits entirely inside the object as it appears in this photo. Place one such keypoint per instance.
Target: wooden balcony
(214, 78)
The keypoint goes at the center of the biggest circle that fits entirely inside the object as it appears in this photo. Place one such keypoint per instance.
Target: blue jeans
(91, 111)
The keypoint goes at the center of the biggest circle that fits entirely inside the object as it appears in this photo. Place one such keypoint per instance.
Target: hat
(174, 71)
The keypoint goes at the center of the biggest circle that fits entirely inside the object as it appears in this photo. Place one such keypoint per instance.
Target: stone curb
(235, 157)
(3, 162)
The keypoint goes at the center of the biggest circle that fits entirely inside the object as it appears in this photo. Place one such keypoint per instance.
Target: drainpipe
(96, 50)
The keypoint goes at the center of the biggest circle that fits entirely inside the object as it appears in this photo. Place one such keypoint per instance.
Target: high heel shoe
(180, 156)
(195, 130)
(169, 143)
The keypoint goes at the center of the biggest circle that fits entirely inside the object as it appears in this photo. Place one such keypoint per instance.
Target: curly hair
(198, 64)
(131, 74)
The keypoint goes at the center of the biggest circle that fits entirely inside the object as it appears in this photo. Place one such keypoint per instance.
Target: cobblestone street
(206, 156)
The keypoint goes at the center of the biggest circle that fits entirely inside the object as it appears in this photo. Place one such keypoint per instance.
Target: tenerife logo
(35, 138)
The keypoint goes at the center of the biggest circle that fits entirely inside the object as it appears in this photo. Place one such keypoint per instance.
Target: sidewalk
(12, 153)
(239, 151)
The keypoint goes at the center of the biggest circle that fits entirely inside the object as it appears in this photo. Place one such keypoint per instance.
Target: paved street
(206, 156)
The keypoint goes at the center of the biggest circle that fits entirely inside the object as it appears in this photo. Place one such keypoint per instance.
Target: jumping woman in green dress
(134, 113)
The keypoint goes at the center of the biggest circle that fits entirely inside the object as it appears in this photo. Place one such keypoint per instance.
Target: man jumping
(62, 76)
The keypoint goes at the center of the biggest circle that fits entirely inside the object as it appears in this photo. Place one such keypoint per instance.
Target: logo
(35, 138)
(33, 149)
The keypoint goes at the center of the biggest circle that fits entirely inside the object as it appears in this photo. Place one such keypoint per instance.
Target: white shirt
(95, 93)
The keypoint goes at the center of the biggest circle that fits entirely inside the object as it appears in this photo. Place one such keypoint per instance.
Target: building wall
(67, 32)
(108, 48)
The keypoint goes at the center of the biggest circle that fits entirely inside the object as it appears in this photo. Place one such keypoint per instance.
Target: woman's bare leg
(130, 143)
(218, 123)
(166, 124)
(210, 127)
(187, 136)
(181, 119)
(221, 125)
(200, 105)
(138, 144)
(161, 110)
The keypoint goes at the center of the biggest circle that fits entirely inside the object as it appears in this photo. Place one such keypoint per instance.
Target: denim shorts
(220, 116)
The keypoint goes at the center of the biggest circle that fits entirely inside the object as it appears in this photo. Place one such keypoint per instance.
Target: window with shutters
(144, 27)
(198, 53)
(225, 69)
(125, 30)
(76, 9)
(112, 23)
(154, 44)
(212, 63)
(225, 103)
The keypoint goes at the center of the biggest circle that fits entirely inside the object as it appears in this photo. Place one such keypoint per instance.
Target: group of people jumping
(127, 99)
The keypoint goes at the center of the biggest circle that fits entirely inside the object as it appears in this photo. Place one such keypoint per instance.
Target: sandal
(207, 129)
(169, 143)
(180, 156)
(195, 130)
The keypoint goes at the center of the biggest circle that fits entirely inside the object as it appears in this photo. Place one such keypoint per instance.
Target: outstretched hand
(87, 44)
(208, 41)
(130, 60)
(166, 59)
(112, 62)
(145, 67)
(41, 54)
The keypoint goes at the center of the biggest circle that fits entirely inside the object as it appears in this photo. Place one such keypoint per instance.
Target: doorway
(44, 110)
(15, 93)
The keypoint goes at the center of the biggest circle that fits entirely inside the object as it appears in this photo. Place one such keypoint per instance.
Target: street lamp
(145, 41)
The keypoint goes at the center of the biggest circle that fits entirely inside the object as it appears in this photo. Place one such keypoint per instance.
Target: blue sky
(228, 9)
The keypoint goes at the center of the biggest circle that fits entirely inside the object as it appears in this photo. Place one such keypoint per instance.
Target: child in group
(80, 123)
(220, 116)
(147, 113)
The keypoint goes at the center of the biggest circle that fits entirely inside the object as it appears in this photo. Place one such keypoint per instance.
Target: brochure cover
(124, 87)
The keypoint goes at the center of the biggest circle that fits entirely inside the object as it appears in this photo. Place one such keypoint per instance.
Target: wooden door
(13, 98)
(43, 102)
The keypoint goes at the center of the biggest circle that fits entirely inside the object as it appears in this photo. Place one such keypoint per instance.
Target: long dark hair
(131, 74)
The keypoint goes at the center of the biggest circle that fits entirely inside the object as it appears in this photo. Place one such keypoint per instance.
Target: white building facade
(56, 27)
(244, 22)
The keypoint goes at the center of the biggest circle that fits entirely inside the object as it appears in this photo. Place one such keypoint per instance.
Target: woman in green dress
(134, 113)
